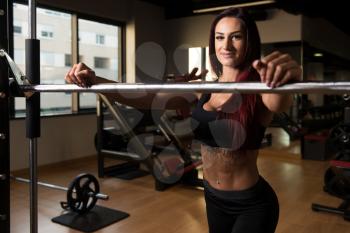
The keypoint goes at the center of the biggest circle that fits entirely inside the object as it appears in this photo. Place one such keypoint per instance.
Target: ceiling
(334, 11)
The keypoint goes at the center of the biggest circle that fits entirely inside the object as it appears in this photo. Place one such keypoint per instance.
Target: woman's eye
(219, 37)
(237, 37)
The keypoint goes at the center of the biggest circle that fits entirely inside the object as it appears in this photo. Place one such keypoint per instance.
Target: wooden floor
(297, 183)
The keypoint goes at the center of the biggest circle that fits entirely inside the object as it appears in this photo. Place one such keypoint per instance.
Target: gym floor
(297, 182)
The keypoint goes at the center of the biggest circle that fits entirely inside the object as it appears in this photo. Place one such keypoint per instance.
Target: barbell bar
(201, 87)
(100, 196)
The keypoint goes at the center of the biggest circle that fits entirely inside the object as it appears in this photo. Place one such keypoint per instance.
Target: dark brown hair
(253, 50)
(245, 112)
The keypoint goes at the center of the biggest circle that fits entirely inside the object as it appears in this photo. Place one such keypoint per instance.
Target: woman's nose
(228, 44)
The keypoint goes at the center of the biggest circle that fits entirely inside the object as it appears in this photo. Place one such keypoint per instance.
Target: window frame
(75, 106)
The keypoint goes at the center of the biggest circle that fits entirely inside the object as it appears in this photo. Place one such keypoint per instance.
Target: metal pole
(135, 142)
(33, 111)
(33, 185)
(5, 6)
(202, 87)
(40, 183)
(32, 19)
(57, 187)
(318, 207)
(100, 155)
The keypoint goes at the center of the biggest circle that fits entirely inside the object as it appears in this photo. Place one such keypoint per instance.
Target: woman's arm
(83, 76)
(276, 70)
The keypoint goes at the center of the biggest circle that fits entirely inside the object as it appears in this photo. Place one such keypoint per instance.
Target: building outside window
(17, 29)
(46, 34)
(46, 31)
(54, 29)
(68, 60)
(99, 58)
(101, 62)
(52, 69)
(100, 39)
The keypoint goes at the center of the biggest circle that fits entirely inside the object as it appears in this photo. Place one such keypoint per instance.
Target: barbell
(22, 85)
(200, 87)
(82, 192)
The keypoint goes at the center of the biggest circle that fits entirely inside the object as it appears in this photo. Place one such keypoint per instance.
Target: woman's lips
(227, 55)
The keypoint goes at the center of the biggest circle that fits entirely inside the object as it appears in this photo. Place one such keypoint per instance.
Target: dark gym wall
(323, 35)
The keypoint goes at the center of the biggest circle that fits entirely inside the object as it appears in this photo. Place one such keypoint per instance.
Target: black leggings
(254, 210)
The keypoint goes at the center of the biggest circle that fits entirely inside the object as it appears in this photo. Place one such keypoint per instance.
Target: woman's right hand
(188, 77)
(81, 75)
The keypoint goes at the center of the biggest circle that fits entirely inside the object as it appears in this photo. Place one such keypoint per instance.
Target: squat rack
(4, 122)
(32, 113)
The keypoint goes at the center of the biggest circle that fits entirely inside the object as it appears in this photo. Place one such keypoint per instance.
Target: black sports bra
(225, 133)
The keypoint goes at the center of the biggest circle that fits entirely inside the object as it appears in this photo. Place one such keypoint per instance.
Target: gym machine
(337, 176)
(124, 139)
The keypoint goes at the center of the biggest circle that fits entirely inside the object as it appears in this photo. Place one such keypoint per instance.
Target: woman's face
(230, 42)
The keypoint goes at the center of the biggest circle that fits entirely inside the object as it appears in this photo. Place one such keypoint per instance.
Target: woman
(230, 126)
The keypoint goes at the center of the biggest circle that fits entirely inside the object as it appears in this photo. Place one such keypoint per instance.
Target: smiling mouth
(227, 55)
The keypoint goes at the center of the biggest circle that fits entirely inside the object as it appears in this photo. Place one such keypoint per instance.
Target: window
(195, 58)
(199, 57)
(47, 31)
(19, 56)
(101, 58)
(55, 30)
(17, 29)
(100, 39)
(46, 34)
(68, 60)
(101, 62)
(52, 69)
(47, 58)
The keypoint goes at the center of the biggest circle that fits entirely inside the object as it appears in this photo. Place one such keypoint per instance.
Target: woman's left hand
(277, 69)
(188, 77)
